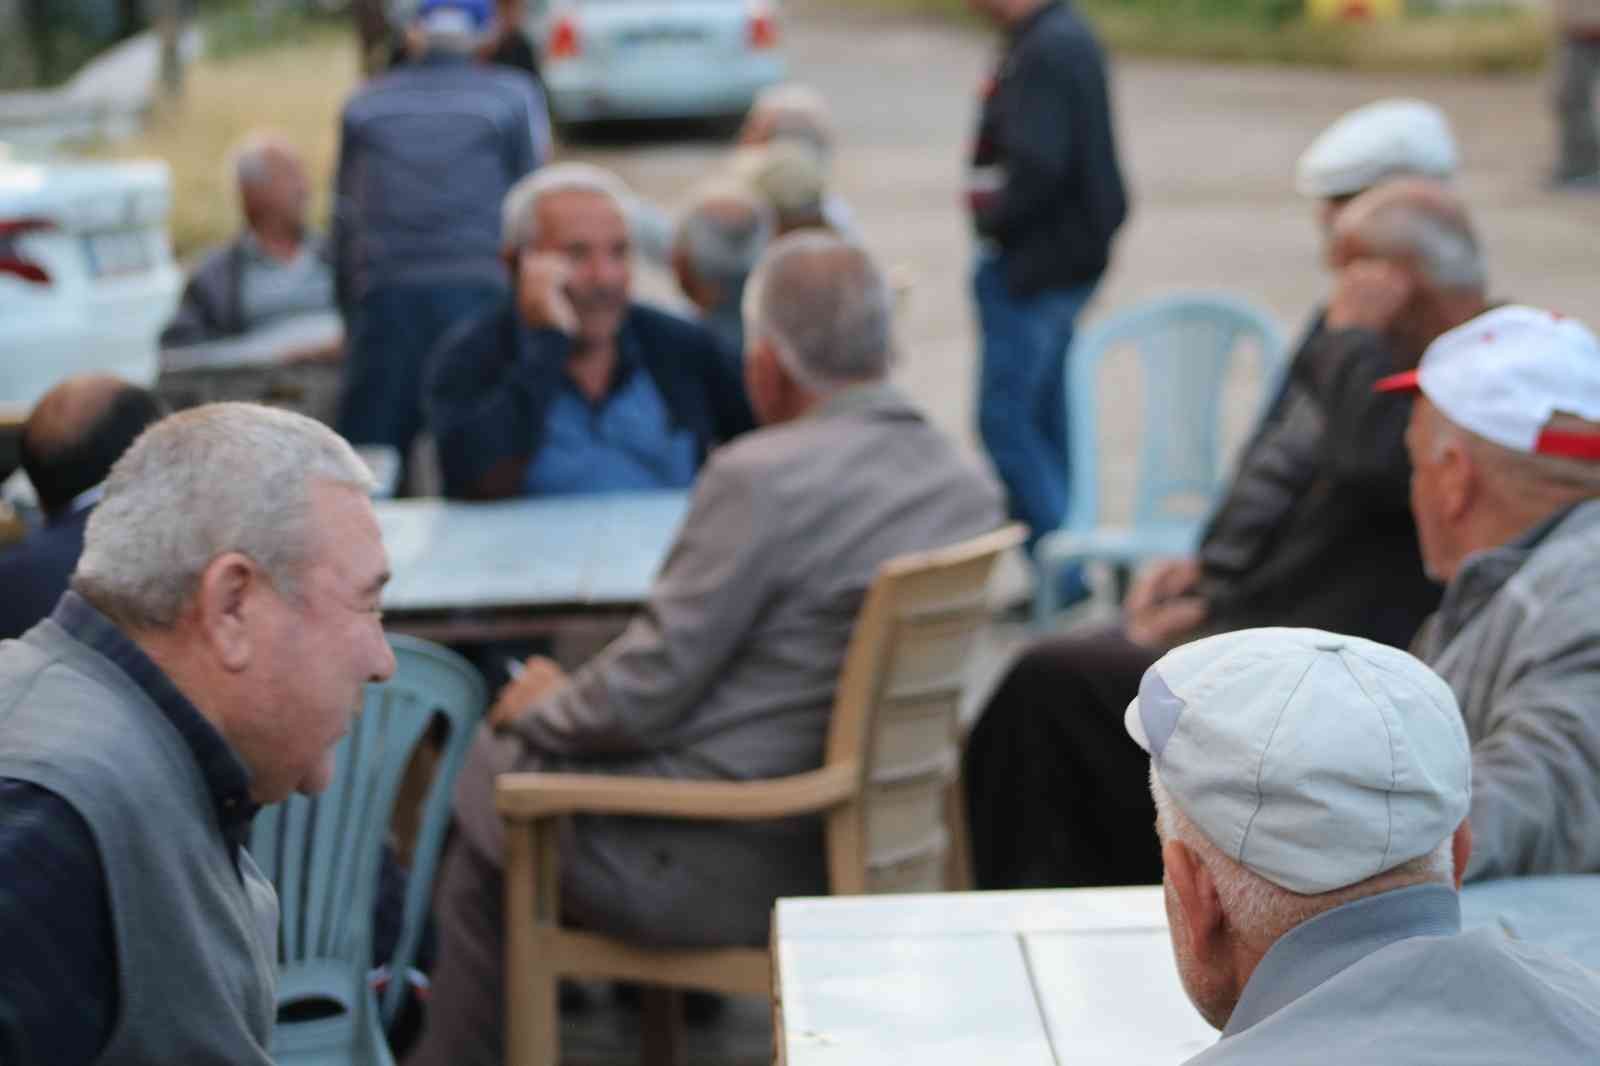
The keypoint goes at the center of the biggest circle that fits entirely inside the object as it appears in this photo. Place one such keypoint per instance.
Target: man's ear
(1459, 480)
(1461, 849)
(1203, 920)
(230, 588)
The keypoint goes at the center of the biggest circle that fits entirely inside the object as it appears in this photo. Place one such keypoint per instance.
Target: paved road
(1209, 152)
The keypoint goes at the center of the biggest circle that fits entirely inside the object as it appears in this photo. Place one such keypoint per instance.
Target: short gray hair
(250, 159)
(724, 231)
(825, 307)
(1442, 242)
(1261, 911)
(519, 211)
(795, 111)
(1522, 473)
(224, 477)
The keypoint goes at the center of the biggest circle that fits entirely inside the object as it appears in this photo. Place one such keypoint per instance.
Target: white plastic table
(1047, 978)
(486, 571)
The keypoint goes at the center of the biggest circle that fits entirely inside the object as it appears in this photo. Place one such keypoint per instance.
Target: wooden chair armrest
(525, 797)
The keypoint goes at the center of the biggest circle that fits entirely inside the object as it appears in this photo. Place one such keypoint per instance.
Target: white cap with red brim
(1504, 374)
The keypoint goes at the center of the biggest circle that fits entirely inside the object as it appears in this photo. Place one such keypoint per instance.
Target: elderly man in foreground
(1312, 794)
(730, 671)
(568, 386)
(1505, 451)
(223, 620)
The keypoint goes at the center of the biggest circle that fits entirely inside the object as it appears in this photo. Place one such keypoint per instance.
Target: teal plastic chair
(322, 854)
(1557, 913)
(1185, 344)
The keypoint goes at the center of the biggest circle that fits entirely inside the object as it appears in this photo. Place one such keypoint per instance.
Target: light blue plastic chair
(1185, 345)
(322, 853)
(1557, 913)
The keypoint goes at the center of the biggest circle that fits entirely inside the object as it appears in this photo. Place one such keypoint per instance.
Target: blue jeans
(392, 332)
(1022, 392)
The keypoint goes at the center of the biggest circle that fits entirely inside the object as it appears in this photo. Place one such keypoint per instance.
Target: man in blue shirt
(568, 386)
(1312, 793)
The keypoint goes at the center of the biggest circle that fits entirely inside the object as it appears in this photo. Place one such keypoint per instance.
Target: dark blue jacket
(426, 154)
(491, 382)
(34, 573)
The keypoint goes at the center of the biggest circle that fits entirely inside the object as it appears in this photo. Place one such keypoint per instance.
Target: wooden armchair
(888, 791)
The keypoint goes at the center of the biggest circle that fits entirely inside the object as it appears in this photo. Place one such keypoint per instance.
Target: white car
(87, 279)
(605, 59)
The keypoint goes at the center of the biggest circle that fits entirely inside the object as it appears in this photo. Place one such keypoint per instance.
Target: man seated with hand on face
(568, 386)
(729, 671)
(1312, 793)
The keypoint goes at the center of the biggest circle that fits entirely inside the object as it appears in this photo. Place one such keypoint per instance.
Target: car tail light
(13, 261)
(763, 29)
(564, 41)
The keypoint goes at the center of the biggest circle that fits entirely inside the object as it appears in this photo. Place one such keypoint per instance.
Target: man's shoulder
(1060, 31)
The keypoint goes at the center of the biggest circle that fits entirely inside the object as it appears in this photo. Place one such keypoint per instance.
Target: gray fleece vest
(195, 934)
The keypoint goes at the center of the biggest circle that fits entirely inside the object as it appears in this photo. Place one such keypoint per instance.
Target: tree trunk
(372, 31)
(169, 27)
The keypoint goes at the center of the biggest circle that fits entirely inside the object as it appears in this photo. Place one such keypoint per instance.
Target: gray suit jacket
(729, 671)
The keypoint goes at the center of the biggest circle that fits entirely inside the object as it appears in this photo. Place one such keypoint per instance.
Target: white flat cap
(1314, 759)
(1381, 140)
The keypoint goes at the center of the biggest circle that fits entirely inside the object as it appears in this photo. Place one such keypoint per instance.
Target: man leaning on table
(567, 385)
(1312, 794)
(222, 622)
(729, 672)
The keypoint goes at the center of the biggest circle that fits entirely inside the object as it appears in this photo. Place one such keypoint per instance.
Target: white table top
(1052, 977)
(267, 346)
(601, 550)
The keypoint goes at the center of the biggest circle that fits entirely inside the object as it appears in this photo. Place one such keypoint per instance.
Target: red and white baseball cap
(1504, 374)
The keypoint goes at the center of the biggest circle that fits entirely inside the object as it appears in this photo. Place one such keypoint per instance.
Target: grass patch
(1272, 31)
(295, 84)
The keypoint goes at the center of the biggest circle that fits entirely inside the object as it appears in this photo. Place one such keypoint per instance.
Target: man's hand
(539, 678)
(1369, 294)
(1162, 605)
(542, 292)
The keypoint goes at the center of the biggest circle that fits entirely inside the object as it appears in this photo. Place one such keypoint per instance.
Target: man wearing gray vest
(222, 621)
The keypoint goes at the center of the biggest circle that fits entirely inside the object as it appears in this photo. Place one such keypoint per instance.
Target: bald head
(274, 191)
(77, 431)
(1419, 221)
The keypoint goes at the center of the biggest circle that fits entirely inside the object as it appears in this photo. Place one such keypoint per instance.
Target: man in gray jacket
(1505, 449)
(223, 620)
(729, 673)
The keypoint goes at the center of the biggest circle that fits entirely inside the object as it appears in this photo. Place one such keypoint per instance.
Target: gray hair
(1442, 242)
(724, 231)
(1523, 473)
(795, 111)
(825, 307)
(450, 31)
(224, 477)
(1261, 911)
(519, 211)
(250, 160)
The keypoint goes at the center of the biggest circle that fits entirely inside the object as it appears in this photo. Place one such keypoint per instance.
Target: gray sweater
(195, 929)
(1518, 639)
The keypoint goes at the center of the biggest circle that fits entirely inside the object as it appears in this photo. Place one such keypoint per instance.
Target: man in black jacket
(1047, 197)
(567, 386)
(1314, 531)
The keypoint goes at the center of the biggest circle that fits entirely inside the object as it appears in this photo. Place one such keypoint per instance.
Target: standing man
(1577, 70)
(1047, 197)
(427, 153)
(223, 620)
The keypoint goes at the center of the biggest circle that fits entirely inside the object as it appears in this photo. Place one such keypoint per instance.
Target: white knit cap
(1381, 140)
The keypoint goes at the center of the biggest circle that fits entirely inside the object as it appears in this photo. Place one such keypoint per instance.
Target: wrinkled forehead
(579, 213)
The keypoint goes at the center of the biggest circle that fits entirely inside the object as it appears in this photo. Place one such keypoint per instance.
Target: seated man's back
(729, 672)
